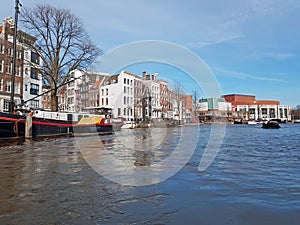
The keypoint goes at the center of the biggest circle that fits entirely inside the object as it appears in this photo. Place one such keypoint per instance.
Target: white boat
(252, 122)
(128, 125)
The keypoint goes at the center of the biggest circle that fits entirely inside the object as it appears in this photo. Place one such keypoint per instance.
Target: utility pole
(12, 95)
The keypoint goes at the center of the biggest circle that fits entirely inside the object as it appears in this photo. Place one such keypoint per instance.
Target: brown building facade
(6, 66)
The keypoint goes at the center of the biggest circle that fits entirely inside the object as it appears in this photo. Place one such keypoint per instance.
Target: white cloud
(278, 56)
(217, 40)
(242, 75)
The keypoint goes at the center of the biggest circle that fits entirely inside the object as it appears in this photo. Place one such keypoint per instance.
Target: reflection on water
(255, 179)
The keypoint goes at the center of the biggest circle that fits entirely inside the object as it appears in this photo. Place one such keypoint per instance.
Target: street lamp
(12, 95)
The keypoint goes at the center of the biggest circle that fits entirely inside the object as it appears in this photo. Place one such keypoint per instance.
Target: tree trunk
(54, 101)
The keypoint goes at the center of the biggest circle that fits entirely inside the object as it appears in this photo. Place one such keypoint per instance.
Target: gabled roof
(98, 83)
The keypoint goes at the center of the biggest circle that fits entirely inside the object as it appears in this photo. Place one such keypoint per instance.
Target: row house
(128, 95)
(6, 58)
(164, 99)
(32, 77)
(28, 79)
(82, 92)
(152, 89)
(117, 93)
(139, 99)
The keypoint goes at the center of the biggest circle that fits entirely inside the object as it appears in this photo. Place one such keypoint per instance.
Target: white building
(152, 88)
(248, 108)
(117, 93)
(265, 112)
(32, 78)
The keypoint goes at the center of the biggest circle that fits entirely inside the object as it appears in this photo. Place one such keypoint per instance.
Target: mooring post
(28, 126)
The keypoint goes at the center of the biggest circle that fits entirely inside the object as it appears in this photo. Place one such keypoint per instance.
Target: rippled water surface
(254, 179)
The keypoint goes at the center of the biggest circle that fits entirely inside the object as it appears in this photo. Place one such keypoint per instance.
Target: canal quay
(254, 178)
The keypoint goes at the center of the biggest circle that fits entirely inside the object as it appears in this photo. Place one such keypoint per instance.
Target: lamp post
(12, 95)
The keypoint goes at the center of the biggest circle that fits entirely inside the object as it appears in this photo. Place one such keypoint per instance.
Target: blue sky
(252, 47)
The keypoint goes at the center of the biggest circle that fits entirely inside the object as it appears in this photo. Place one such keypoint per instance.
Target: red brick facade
(236, 99)
(6, 58)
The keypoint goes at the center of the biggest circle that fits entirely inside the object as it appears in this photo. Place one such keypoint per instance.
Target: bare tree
(62, 44)
(178, 92)
(195, 98)
(296, 112)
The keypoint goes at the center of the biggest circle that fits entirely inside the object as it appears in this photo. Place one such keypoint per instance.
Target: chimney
(144, 75)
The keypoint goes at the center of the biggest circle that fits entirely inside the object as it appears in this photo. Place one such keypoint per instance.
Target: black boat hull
(13, 126)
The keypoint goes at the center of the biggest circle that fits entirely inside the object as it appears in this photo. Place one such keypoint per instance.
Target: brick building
(6, 58)
(28, 79)
(246, 107)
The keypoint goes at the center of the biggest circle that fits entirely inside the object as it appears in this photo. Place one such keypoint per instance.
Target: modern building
(247, 107)
(213, 110)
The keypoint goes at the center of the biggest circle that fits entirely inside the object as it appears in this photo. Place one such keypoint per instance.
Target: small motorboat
(252, 122)
(271, 125)
(128, 125)
(117, 123)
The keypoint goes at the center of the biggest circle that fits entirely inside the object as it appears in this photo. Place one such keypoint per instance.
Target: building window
(102, 92)
(119, 111)
(106, 91)
(34, 104)
(102, 101)
(280, 113)
(124, 100)
(17, 87)
(34, 74)
(1, 84)
(106, 101)
(2, 49)
(18, 70)
(9, 51)
(8, 68)
(124, 80)
(34, 89)
(124, 90)
(6, 105)
(19, 55)
(8, 86)
(124, 111)
(35, 58)
(1, 66)
(26, 87)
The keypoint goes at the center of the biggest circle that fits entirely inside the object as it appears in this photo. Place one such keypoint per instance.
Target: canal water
(254, 178)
